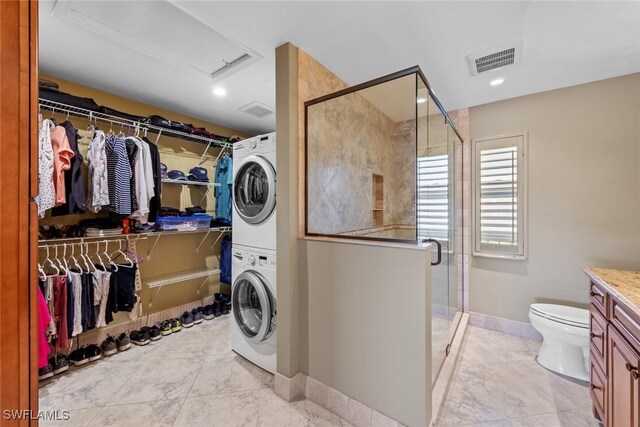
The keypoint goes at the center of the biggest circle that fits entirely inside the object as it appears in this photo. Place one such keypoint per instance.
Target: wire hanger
(120, 252)
(59, 261)
(51, 263)
(121, 133)
(41, 272)
(73, 258)
(84, 254)
(113, 264)
(110, 128)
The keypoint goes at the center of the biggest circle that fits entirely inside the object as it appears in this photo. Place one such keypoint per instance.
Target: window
(433, 197)
(499, 196)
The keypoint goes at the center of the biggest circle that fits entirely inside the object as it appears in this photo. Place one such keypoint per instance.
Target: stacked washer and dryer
(253, 292)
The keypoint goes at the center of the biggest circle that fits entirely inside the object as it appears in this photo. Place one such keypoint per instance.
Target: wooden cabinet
(615, 360)
(623, 382)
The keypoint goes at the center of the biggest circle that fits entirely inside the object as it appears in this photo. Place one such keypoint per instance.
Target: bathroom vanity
(615, 346)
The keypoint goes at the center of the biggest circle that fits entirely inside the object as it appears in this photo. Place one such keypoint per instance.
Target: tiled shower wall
(349, 140)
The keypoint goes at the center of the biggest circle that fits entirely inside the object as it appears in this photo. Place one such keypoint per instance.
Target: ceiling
(564, 44)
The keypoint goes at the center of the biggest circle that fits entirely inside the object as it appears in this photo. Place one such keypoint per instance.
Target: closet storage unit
(80, 241)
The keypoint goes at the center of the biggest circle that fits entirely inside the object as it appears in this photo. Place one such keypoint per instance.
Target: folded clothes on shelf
(195, 210)
(97, 232)
(168, 211)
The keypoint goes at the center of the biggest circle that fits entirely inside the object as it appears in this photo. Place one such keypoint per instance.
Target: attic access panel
(164, 31)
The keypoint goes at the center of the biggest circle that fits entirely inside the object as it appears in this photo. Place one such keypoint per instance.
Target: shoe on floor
(61, 364)
(45, 372)
(207, 312)
(226, 308)
(123, 342)
(140, 337)
(186, 319)
(153, 331)
(165, 328)
(79, 357)
(197, 315)
(220, 297)
(176, 325)
(93, 352)
(109, 346)
(217, 309)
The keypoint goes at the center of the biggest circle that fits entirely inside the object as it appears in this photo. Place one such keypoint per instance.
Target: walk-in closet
(134, 206)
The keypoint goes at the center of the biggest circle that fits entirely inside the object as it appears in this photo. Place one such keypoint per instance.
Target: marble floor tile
(226, 373)
(497, 382)
(230, 410)
(162, 379)
(157, 414)
(275, 412)
(90, 386)
(482, 346)
(77, 418)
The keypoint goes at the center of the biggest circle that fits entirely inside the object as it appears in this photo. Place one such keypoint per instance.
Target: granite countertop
(625, 285)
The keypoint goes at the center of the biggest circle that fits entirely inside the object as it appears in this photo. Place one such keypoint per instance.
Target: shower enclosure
(380, 165)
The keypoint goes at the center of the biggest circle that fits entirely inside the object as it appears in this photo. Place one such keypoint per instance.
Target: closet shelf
(132, 235)
(94, 115)
(183, 182)
(160, 281)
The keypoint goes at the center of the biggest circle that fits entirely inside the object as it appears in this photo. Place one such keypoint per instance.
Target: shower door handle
(439, 245)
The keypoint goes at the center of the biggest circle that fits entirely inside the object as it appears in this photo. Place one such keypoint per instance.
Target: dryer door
(254, 307)
(254, 190)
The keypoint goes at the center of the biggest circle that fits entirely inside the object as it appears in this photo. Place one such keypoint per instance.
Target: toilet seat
(570, 316)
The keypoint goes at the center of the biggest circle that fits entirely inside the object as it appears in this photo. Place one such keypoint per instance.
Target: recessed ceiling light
(421, 100)
(219, 91)
(496, 82)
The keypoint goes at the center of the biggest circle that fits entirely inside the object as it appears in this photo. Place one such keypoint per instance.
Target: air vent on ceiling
(232, 67)
(495, 58)
(257, 109)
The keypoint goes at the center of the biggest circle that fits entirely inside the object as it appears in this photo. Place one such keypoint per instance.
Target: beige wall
(360, 341)
(584, 202)
(172, 254)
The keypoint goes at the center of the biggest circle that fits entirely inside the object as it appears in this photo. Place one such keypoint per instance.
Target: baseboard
(506, 326)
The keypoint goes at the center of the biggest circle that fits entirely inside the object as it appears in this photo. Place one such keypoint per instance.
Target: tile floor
(191, 378)
(497, 383)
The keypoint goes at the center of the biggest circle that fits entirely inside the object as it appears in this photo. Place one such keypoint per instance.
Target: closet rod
(54, 107)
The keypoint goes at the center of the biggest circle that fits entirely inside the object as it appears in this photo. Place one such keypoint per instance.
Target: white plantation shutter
(499, 196)
(433, 197)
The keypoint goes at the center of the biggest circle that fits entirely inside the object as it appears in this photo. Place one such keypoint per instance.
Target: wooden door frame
(18, 216)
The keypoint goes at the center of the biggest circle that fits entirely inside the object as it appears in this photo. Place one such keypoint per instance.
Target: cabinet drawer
(598, 337)
(626, 322)
(598, 298)
(598, 391)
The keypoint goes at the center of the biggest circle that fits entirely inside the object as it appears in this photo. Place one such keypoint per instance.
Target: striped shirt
(119, 174)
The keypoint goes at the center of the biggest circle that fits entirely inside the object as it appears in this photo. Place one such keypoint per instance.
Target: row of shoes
(143, 336)
(84, 354)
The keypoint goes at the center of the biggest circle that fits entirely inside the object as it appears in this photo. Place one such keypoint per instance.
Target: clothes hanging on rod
(73, 182)
(46, 189)
(224, 177)
(123, 172)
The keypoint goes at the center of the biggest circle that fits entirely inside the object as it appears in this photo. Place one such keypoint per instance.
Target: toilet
(565, 338)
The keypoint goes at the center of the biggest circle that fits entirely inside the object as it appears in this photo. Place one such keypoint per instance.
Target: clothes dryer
(253, 300)
(254, 192)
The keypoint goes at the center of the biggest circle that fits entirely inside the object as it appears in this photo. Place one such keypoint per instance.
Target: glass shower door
(435, 209)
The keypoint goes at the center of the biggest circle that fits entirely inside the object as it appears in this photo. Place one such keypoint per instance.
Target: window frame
(493, 142)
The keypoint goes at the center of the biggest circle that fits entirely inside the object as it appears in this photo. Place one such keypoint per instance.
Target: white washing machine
(253, 299)
(254, 192)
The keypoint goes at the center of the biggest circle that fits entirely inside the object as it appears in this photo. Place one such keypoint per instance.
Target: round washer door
(254, 190)
(254, 308)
